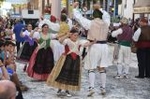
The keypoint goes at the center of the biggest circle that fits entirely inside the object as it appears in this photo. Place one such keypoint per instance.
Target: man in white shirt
(124, 37)
(97, 54)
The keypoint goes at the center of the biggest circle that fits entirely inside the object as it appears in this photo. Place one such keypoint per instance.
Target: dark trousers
(143, 56)
(18, 45)
(19, 95)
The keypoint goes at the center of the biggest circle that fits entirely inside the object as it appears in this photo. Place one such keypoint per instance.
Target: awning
(17, 1)
(141, 6)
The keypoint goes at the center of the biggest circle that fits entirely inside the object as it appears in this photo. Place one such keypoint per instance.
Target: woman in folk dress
(66, 75)
(29, 45)
(42, 61)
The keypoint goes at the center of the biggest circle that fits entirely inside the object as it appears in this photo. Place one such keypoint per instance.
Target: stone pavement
(131, 88)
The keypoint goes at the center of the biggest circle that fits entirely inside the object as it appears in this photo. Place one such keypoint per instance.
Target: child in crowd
(9, 73)
(2, 35)
(9, 56)
(8, 60)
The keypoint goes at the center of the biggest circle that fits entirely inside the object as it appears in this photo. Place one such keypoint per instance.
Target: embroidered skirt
(41, 64)
(66, 74)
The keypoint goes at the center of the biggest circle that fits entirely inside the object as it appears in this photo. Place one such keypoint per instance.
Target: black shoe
(147, 76)
(59, 91)
(138, 77)
(68, 93)
(25, 67)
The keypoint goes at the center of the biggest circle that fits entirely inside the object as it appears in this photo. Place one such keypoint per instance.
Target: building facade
(123, 8)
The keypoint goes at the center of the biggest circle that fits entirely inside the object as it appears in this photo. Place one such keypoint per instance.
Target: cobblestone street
(131, 88)
(49, 40)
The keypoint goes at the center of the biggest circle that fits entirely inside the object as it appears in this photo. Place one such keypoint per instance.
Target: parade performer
(124, 38)
(58, 48)
(66, 75)
(42, 60)
(97, 54)
(29, 45)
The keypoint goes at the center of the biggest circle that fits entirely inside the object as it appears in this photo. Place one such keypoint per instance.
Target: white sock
(119, 69)
(126, 68)
(92, 79)
(103, 79)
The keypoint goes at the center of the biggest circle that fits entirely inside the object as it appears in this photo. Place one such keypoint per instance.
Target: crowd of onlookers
(8, 66)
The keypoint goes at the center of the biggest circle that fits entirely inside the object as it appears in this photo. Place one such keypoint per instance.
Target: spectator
(3, 72)
(7, 90)
(142, 39)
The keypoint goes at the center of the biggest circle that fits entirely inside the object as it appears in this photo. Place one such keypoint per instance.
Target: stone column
(43, 6)
(108, 6)
(56, 8)
(104, 4)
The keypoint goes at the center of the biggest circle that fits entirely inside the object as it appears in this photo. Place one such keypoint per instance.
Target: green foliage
(2, 0)
(115, 19)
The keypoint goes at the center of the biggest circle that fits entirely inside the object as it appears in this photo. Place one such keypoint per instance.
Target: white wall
(35, 14)
(126, 11)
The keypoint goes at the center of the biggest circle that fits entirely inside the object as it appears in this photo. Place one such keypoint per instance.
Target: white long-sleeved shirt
(116, 32)
(137, 35)
(70, 23)
(84, 22)
(106, 16)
